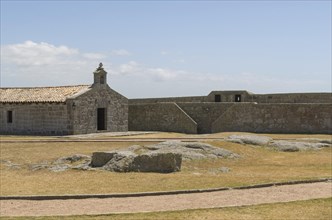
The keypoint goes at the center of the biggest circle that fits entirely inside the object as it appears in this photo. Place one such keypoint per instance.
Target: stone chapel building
(64, 110)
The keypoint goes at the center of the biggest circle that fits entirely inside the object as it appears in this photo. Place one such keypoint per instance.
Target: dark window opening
(102, 80)
(217, 98)
(9, 116)
(101, 119)
(237, 98)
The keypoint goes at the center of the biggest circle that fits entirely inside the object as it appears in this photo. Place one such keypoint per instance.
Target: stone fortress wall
(35, 118)
(229, 96)
(222, 111)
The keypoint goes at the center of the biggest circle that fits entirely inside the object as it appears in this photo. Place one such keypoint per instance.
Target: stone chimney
(100, 76)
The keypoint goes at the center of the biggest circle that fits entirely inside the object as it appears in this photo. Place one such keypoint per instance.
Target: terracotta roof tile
(40, 94)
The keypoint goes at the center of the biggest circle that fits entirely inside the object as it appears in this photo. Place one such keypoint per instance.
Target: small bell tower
(100, 76)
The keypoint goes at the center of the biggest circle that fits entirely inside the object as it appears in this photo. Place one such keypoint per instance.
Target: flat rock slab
(288, 146)
(164, 157)
(281, 145)
(230, 198)
(249, 139)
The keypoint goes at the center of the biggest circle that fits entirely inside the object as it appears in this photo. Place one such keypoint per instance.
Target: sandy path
(165, 203)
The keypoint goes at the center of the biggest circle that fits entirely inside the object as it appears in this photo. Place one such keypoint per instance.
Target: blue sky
(169, 48)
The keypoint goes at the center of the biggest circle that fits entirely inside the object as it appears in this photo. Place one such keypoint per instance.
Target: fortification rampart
(221, 117)
(276, 118)
(160, 117)
(169, 99)
(244, 96)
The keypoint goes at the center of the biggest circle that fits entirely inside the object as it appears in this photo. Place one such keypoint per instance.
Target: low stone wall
(160, 117)
(169, 99)
(276, 118)
(34, 118)
(292, 98)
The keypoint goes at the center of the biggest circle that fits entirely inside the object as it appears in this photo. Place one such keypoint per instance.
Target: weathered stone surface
(146, 162)
(249, 139)
(289, 146)
(99, 159)
(10, 164)
(72, 159)
(281, 145)
(193, 150)
(163, 157)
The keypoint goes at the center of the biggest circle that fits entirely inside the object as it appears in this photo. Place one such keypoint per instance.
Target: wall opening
(9, 116)
(101, 119)
(102, 80)
(237, 98)
(217, 98)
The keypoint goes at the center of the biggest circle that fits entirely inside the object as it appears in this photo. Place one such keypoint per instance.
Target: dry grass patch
(301, 210)
(256, 165)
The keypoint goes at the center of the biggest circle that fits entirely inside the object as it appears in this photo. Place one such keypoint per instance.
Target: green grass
(317, 209)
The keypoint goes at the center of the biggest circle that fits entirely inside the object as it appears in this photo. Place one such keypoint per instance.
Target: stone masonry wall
(35, 118)
(160, 117)
(83, 110)
(276, 118)
(204, 114)
(292, 98)
(229, 96)
(169, 99)
(222, 117)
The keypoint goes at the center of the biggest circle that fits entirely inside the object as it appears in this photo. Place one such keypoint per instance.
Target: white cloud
(94, 56)
(35, 54)
(133, 68)
(120, 52)
(43, 64)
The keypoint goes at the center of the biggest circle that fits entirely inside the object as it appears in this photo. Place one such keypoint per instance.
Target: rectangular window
(237, 98)
(9, 116)
(217, 98)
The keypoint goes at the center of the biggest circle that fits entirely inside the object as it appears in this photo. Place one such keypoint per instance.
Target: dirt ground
(228, 198)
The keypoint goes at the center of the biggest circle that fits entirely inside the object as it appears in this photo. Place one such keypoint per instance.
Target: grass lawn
(256, 165)
(309, 210)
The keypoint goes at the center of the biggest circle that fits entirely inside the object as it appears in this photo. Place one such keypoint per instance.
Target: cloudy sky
(169, 48)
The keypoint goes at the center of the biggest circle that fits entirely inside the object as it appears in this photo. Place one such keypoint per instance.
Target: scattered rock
(76, 161)
(10, 164)
(193, 150)
(249, 139)
(317, 140)
(59, 167)
(289, 146)
(220, 170)
(282, 145)
(73, 159)
(224, 169)
(146, 162)
(163, 157)
(35, 167)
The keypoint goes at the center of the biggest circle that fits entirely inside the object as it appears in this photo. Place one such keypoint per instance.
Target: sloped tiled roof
(40, 94)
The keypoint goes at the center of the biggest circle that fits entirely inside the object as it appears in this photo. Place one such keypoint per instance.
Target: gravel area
(228, 198)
